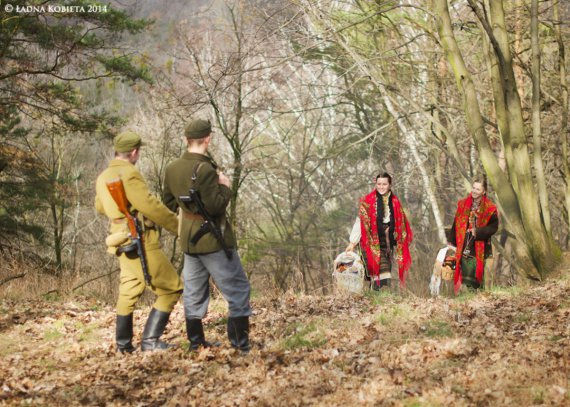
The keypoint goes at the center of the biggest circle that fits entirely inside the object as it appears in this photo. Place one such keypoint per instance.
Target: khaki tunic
(165, 282)
(177, 182)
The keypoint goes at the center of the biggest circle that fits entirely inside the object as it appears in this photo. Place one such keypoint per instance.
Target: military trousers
(165, 282)
(229, 277)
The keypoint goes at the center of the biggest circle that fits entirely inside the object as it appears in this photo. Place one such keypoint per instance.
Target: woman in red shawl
(383, 232)
(476, 220)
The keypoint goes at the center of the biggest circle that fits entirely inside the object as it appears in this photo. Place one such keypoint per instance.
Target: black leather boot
(195, 332)
(153, 329)
(238, 333)
(124, 333)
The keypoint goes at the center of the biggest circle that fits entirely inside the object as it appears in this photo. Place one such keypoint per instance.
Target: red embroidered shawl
(370, 241)
(483, 215)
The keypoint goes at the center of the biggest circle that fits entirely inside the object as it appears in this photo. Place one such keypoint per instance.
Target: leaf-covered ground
(504, 347)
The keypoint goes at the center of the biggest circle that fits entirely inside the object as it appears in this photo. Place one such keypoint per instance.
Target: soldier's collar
(195, 156)
(115, 162)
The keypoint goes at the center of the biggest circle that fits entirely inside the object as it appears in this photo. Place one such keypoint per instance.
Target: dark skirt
(468, 272)
(385, 263)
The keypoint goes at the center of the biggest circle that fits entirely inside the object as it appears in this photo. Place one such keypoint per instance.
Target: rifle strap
(195, 172)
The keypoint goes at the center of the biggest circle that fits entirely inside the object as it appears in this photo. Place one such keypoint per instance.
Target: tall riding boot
(153, 329)
(195, 332)
(238, 333)
(124, 333)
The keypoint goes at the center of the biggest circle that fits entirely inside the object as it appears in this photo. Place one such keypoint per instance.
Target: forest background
(309, 101)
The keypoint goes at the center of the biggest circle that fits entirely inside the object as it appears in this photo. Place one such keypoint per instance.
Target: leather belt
(193, 216)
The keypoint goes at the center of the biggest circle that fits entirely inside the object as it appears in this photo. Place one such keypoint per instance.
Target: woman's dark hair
(385, 175)
(481, 179)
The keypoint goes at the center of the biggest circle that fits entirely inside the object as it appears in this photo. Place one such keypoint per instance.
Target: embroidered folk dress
(380, 228)
(472, 251)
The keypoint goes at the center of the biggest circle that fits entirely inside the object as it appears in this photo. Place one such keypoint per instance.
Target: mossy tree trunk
(516, 194)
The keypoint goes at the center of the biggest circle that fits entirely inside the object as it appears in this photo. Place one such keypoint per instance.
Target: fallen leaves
(491, 349)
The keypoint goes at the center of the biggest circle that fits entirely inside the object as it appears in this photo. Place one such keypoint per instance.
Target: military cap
(198, 129)
(126, 141)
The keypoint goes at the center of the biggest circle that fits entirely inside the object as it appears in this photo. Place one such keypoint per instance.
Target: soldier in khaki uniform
(207, 258)
(165, 282)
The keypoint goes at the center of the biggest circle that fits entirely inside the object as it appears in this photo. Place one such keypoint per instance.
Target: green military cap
(198, 129)
(126, 141)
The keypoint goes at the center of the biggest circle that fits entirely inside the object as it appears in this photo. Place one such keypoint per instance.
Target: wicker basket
(448, 267)
(348, 272)
(447, 273)
(443, 269)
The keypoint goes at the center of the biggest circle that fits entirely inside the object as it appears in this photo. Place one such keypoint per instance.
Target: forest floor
(500, 347)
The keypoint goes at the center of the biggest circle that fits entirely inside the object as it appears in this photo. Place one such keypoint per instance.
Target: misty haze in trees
(309, 101)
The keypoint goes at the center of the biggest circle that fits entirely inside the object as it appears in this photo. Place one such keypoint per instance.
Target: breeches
(229, 277)
(165, 282)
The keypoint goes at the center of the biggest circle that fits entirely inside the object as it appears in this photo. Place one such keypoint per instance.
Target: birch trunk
(411, 139)
(376, 78)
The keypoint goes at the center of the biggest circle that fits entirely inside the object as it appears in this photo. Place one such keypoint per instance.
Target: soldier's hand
(223, 180)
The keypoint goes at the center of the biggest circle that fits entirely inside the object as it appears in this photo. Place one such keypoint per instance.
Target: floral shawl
(486, 209)
(370, 241)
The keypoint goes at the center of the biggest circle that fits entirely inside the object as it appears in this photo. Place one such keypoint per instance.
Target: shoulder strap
(195, 172)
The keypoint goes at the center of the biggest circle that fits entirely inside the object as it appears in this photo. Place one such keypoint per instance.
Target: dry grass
(500, 347)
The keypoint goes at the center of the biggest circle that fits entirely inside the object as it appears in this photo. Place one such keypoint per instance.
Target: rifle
(117, 191)
(208, 225)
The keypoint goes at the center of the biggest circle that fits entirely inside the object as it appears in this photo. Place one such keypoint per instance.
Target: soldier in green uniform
(207, 258)
(165, 282)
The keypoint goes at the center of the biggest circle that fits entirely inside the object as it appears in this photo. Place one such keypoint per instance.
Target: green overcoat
(177, 182)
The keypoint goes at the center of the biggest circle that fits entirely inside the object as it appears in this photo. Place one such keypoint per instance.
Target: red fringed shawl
(370, 241)
(483, 215)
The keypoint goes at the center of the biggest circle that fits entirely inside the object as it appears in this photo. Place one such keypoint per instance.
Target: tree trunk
(536, 130)
(519, 32)
(500, 108)
(564, 118)
(411, 138)
(536, 236)
(57, 214)
(507, 199)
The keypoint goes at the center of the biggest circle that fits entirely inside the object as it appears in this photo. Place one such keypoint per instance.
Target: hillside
(505, 347)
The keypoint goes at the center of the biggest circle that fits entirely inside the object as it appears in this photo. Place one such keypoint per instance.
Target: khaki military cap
(198, 129)
(126, 141)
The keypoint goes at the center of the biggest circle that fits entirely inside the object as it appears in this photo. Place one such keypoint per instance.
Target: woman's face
(477, 190)
(383, 186)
